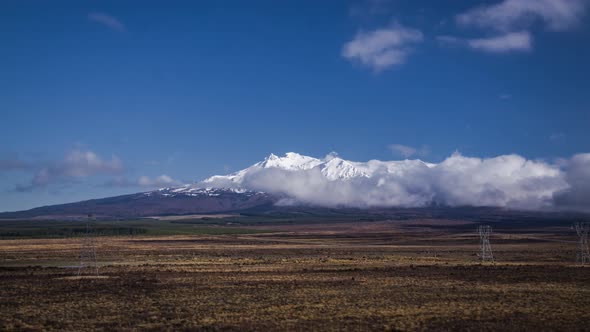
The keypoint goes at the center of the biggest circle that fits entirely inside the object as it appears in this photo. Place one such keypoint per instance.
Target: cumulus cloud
(511, 20)
(382, 48)
(404, 150)
(509, 15)
(577, 195)
(509, 42)
(160, 181)
(513, 41)
(509, 181)
(143, 182)
(408, 151)
(76, 164)
(108, 21)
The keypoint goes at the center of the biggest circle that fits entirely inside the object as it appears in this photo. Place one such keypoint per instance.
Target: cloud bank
(509, 181)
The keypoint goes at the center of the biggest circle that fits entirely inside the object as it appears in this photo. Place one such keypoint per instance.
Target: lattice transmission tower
(486, 254)
(582, 254)
(88, 250)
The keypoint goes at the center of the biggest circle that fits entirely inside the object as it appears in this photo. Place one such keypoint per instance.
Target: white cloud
(577, 195)
(509, 42)
(408, 151)
(76, 164)
(382, 48)
(512, 19)
(160, 181)
(107, 20)
(508, 15)
(404, 150)
(504, 181)
(513, 41)
(143, 181)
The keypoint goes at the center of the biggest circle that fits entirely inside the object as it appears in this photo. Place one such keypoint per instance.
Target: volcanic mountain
(298, 180)
(216, 194)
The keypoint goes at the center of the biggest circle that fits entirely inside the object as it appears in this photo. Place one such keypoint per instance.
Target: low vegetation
(361, 276)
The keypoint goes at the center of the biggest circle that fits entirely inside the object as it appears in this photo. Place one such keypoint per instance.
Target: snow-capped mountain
(261, 185)
(332, 168)
(293, 179)
(290, 162)
(337, 168)
(333, 181)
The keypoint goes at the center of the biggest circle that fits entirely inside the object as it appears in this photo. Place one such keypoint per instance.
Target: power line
(486, 254)
(88, 250)
(582, 254)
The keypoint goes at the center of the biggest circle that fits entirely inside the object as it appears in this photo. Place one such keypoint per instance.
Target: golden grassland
(333, 278)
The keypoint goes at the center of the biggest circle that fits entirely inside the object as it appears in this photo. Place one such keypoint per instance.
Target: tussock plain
(380, 275)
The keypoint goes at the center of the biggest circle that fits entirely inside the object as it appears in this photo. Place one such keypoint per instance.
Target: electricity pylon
(88, 250)
(582, 254)
(486, 254)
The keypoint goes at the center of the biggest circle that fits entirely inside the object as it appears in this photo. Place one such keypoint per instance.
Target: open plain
(372, 275)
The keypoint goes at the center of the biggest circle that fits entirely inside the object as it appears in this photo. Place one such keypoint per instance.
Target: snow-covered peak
(271, 157)
(291, 161)
(337, 168)
(332, 167)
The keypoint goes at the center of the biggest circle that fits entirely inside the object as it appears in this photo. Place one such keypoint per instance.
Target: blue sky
(100, 98)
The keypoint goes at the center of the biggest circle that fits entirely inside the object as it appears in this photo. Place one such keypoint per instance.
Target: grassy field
(380, 275)
(41, 229)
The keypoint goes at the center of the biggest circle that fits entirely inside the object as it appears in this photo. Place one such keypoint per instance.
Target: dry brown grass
(318, 279)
